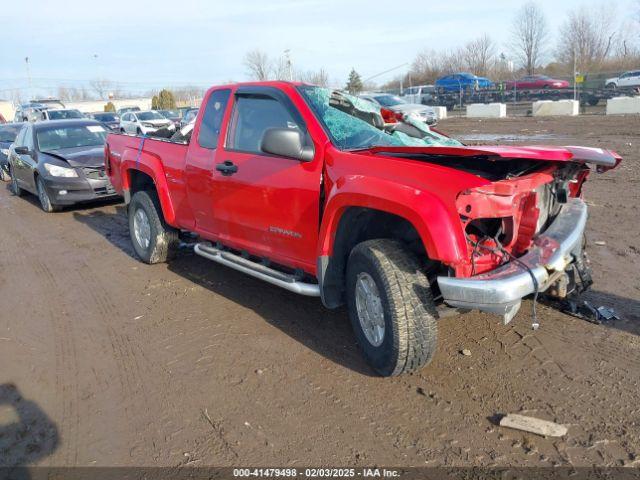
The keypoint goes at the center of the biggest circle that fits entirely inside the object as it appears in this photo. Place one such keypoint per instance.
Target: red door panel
(269, 205)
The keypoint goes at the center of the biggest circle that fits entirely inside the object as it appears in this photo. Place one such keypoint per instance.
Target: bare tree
(319, 77)
(64, 94)
(479, 54)
(102, 87)
(587, 38)
(258, 65)
(280, 69)
(529, 34)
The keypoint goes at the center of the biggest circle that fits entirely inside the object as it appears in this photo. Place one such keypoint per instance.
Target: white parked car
(397, 104)
(627, 79)
(146, 122)
(58, 114)
(423, 94)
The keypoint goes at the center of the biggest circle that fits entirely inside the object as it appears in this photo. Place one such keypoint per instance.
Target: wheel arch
(418, 219)
(142, 174)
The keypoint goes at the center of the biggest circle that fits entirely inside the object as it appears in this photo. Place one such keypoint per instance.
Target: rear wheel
(43, 196)
(391, 307)
(612, 85)
(153, 240)
(138, 131)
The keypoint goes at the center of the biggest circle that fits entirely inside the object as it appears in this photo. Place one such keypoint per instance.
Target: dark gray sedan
(60, 161)
(8, 133)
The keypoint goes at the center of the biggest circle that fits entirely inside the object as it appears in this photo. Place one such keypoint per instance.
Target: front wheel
(43, 196)
(391, 307)
(153, 239)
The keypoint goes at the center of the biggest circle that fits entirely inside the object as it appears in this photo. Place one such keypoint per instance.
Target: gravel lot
(112, 362)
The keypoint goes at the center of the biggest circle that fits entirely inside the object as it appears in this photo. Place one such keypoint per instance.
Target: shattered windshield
(354, 123)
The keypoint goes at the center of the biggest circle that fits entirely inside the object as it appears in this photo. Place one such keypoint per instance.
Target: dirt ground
(107, 361)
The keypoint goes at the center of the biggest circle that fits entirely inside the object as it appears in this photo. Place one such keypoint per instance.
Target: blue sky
(145, 44)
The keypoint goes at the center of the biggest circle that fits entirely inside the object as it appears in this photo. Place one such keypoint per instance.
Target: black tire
(43, 197)
(4, 174)
(15, 189)
(138, 131)
(122, 130)
(410, 316)
(163, 239)
(612, 85)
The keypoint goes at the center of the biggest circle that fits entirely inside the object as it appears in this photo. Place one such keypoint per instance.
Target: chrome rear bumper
(501, 290)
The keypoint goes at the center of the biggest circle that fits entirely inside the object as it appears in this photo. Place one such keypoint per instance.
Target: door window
(252, 116)
(212, 118)
(19, 142)
(28, 138)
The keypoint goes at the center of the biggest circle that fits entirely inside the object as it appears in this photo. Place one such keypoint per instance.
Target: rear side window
(20, 138)
(28, 138)
(212, 118)
(252, 116)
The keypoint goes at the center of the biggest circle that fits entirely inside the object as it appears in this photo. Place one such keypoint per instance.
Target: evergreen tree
(354, 85)
(166, 100)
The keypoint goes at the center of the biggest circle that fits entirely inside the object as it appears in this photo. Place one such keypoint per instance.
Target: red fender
(151, 165)
(425, 211)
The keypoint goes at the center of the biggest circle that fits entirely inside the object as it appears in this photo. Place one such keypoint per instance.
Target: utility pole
(289, 64)
(575, 74)
(26, 60)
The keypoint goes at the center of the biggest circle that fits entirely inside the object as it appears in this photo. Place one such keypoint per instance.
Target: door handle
(227, 168)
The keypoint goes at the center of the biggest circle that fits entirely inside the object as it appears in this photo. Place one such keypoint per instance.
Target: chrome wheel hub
(369, 308)
(142, 228)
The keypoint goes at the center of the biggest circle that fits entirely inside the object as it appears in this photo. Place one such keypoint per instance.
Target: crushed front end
(525, 235)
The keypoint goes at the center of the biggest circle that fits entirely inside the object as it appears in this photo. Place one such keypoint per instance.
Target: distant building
(7, 110)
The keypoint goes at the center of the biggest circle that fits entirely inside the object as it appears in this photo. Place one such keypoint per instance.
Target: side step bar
(257, 270)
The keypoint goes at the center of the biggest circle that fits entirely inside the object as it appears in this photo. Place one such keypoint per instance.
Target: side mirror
(22, 150)
(286, 142)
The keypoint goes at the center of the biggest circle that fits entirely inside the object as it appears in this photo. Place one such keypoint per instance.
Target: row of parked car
(58, 153)
(126, 119)
(468, 82)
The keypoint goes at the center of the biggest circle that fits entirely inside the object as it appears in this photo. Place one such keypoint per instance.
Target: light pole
(26, 61)
(289, 64)
(575, 74)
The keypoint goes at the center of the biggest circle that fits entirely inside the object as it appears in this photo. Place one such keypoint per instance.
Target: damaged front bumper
(500, 291)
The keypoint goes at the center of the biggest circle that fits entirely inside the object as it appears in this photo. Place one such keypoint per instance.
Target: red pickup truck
(311, 190)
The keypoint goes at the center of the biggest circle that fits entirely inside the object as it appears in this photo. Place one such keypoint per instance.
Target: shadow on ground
(627, 309)
(328, 332)
(26, 434)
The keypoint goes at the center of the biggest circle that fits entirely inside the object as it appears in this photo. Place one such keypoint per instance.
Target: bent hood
(80, 156)
(603, 159)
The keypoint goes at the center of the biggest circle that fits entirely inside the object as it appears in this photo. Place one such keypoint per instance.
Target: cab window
(212, 118)
(252, 116)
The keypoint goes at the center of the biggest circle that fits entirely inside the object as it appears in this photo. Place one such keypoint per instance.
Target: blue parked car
(464, 81)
